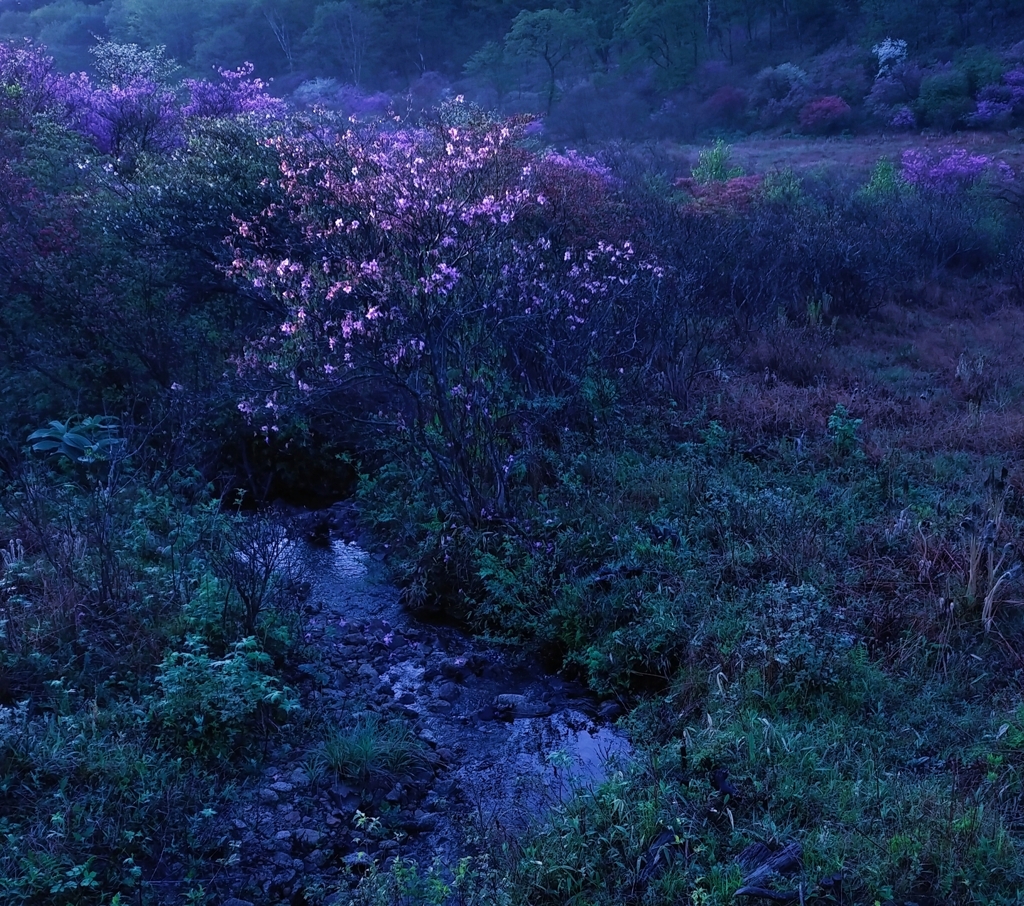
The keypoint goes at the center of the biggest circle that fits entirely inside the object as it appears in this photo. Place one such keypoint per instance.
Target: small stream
(504, 741)
(513, 739)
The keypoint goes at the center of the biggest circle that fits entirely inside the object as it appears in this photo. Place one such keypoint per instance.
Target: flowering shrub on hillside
(236, 93)
(999, 105)
(952, 171)
(824, 114)
(132, 110)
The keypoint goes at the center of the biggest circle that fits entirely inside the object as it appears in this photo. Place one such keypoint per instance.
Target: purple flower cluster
(998, 105)
(130, 115)
(574, 161)
(235, 94)
(950, 171)
(903, 118)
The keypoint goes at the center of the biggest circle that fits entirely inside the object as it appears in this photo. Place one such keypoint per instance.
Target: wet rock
(269, 796)
(454, 668)
(282, 787)
(448, 691)
(316, 859)
(283, 879)
(359, 861)
(609, 710)
(511, 705)
(369, 673)
(306, 836)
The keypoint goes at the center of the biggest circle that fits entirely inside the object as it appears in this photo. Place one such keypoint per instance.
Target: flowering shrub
(952, 171)
(890, 53)
(824, 114)
(433, 266)
(998, 106)
(903, 118)
(28, 83)
(236, 93)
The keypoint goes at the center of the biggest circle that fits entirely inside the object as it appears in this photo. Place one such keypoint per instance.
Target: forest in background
(600, 69)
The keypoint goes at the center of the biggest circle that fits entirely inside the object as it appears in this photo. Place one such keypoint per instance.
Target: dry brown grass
(898, 371)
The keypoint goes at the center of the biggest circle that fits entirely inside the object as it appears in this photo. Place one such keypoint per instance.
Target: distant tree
(551, 36)
(490, 64)
(667, 33)
(343, 32)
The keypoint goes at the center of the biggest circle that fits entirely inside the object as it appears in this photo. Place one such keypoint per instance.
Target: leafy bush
(800, 644)
(713, 165)
(726, 107)
(824, 115)
(208, 705)
(944, 100)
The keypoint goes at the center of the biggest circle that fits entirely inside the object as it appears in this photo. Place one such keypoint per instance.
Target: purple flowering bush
(235, 93)
(951, 172)
(472, 282)
(1001, 105)
(824, 115)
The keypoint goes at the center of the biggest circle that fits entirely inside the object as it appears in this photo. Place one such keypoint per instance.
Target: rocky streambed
(482, 741)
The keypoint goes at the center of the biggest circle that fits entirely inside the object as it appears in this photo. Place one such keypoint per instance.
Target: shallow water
(505, 773)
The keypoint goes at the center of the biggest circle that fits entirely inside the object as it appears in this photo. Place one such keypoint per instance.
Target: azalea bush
(454, 286)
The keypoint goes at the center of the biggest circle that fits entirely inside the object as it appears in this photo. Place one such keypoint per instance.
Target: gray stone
(367, 671)
(285, 878)
(358, 860)
(511, 705)
(449, 691)
(282, 787)
(269, 796)
(307, 836)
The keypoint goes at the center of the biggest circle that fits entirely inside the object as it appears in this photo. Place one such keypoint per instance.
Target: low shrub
(825, 115)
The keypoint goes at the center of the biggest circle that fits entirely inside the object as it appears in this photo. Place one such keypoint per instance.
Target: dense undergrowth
(742, 452)
(799, 597)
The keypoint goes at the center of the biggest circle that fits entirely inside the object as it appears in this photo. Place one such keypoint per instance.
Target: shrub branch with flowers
(456, 287)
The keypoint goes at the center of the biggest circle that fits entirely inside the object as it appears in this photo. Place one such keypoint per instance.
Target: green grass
(373, 750)
(796, 613)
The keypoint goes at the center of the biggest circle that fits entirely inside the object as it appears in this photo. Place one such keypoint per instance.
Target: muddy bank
(492, 740)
